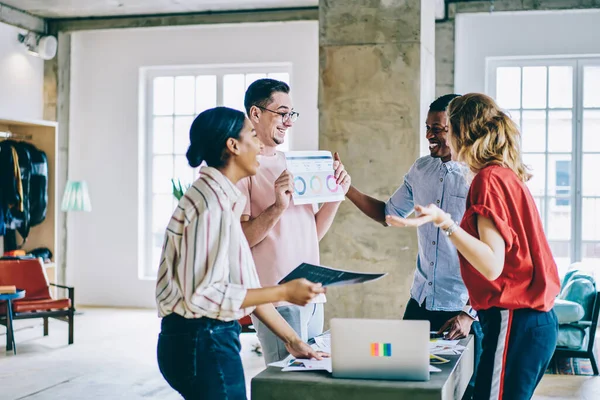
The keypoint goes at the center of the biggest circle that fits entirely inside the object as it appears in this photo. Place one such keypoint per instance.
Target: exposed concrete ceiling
(112, 8)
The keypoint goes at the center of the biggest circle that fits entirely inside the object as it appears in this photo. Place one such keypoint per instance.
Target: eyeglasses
(285, 116)
(436, 129)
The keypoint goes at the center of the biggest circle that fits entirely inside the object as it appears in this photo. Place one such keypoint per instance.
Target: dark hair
(441, 103)
(260, 91)
(209, 133)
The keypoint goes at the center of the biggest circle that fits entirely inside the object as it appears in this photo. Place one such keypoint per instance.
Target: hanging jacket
(9, 194)
(38, 184)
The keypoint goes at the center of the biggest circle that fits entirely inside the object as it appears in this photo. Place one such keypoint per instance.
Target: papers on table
(329, 276)
(314, 180)
(445, 347)
(321, 343)
(308, 365)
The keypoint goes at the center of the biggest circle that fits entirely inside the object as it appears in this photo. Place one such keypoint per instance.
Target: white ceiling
(103, 8)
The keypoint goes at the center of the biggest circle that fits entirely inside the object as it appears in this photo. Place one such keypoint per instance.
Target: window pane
(183, 171)
(540, 203)
(184, 95)
(515, 115)
(534, 131)
(234, 88)
(508, 87)
(591, 212)
(280, 76)
(590, 252)
(206, 92)
(162, 135)
(591, 130)
(162, 172)
(162, 97)
(560, 93)
(156, 253)
(560, 131)
(182, 134)
(162, 209)
(534, 87)
(561, 250)
(560, 178)
(253, 77)
(590, 181)
(537, 165)
(591, 87)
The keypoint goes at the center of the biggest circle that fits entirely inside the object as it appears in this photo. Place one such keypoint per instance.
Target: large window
(173, 98)
(556, 102)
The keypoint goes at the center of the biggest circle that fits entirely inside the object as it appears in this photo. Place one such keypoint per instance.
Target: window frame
(578, 63)
(146, 150)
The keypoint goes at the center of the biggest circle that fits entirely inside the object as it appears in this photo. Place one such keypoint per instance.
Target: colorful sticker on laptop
(381, 349)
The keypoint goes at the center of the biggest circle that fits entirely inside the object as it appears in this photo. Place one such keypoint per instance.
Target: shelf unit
(44, 135)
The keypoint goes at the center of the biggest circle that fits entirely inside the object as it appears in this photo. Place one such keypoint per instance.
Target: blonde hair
(482, 134)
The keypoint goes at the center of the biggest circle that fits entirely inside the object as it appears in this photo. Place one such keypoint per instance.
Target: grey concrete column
(377, 78)
(444, 57)
(57, 89)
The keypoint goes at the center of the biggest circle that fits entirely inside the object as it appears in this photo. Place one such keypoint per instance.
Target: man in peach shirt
(282, 235)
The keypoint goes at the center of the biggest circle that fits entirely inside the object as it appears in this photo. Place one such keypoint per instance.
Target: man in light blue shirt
(438, 293)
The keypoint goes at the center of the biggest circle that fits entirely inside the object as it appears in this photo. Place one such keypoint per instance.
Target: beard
(277, 141)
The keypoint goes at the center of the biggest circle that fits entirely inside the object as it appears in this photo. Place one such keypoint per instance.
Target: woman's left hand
(430, 213)
(299, 349)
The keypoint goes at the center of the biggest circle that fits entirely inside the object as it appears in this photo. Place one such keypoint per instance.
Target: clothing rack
(10, 135)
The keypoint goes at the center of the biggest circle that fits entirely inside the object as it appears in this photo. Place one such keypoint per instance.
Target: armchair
(577, 308)
(29, 274)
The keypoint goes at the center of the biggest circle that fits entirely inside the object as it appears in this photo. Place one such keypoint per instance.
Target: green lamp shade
(76, 197)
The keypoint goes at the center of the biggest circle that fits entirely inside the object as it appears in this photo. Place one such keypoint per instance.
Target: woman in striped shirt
(207, 279)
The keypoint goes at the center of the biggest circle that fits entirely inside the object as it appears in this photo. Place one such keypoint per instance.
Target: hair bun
(194, 155)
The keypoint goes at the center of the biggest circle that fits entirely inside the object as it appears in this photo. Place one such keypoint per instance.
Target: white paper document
(323, 343)
(314, 180)
(445, 347)
(281, 364)
(299, 364)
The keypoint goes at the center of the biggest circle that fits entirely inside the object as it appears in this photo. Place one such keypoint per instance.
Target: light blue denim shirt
(437, 278)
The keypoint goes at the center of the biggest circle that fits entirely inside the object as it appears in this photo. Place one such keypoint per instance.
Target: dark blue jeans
(517, 347)
(200, 358)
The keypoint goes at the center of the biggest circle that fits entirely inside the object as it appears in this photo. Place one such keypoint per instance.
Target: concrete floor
(114, 357)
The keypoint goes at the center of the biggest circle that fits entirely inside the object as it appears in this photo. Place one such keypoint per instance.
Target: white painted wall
(102, 254)
(522, 34)
(21, 78)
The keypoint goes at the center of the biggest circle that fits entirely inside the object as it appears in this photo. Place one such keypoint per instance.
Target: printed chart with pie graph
(314, 180)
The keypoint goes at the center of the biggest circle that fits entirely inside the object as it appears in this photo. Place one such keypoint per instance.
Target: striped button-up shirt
(206, 265)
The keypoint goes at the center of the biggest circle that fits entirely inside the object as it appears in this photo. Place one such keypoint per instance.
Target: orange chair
(29, 274)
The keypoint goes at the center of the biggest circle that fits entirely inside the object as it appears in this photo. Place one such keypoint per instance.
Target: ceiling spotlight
(41, 46)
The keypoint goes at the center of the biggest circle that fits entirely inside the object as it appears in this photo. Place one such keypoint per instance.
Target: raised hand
(342, 177)
(284, 188)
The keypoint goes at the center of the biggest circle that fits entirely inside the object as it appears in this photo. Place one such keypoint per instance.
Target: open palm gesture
(425, 214)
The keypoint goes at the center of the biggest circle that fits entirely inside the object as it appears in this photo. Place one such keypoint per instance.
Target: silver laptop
(380, 349)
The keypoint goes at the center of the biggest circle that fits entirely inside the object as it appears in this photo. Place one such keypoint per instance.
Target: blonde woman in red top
(506, 262)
